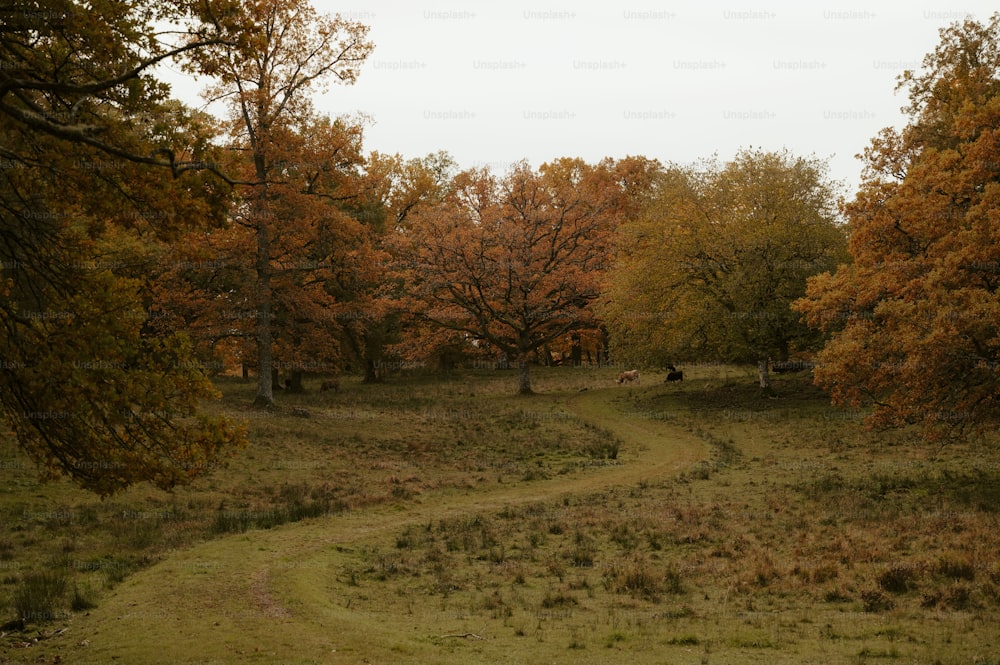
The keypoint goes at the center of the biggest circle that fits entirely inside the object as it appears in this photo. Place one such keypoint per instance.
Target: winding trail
(264, 583)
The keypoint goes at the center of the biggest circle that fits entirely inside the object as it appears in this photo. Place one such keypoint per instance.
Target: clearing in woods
(718, 527)
(261, 596)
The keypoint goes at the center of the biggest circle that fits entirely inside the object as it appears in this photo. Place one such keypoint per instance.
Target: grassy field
(442, 519)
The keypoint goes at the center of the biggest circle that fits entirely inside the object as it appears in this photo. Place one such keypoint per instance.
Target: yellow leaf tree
(709, 269)
(99, 170)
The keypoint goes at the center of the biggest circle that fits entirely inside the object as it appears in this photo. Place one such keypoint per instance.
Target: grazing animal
(628, 377)
(673, 374)
(330, 384)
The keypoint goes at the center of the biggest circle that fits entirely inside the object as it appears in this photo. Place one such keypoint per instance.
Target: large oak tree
(916, 316)
(319, 251)
(372, 316)
(513, 261)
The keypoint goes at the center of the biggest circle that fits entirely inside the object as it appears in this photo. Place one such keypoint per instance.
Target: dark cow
(628, 377)
(330, 384)
(673, 374)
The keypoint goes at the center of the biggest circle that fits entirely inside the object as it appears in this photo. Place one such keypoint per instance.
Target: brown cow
(628, 377)
(330, 384)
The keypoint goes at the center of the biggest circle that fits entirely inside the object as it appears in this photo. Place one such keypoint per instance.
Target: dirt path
(652, 450)
(272, 574)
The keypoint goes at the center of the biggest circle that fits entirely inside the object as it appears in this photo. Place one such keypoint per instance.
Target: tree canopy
(100, 168)
(513, 261)
(915, 317)
(709, 269)
(273, 54)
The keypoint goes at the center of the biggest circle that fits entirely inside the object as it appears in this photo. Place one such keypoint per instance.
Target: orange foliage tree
(515, 261)
(319, 251)
(371, 318)
(276, 51)
(916, 317)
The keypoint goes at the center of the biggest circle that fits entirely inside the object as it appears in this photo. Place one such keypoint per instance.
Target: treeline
(146, 245)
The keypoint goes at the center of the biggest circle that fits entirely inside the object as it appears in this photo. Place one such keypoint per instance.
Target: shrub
(606, 449)
(296, 508)
(40, 595)
(641, 579)
(115, 570)
(558, 599)
(583, 551)
(624, 536)
(959, 597)
(684, 640)
(83, 599)
(956, 570)
(898, 579)
(875, 601)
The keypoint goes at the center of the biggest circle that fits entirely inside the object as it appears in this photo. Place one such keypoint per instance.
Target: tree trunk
(765, 378)
(371, 372)
(295, 382)
(445, 362)
(265, 391)
(576, 351)
(524, 383)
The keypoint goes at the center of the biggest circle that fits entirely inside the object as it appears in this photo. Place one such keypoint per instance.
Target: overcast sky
(493, 83)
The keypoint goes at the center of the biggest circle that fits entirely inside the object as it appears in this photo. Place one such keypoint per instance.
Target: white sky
(493, 83)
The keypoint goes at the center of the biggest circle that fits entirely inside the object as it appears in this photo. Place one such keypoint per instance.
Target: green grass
(443, 519)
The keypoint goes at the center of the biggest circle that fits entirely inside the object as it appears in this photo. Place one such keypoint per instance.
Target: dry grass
(441, 508)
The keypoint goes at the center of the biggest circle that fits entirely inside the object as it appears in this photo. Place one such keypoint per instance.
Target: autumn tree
(328, 255)
(208, 284)
(915, 316)
(98, 168)
(374, 327)
(276, 52)
(709, 270)
(512, 261)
